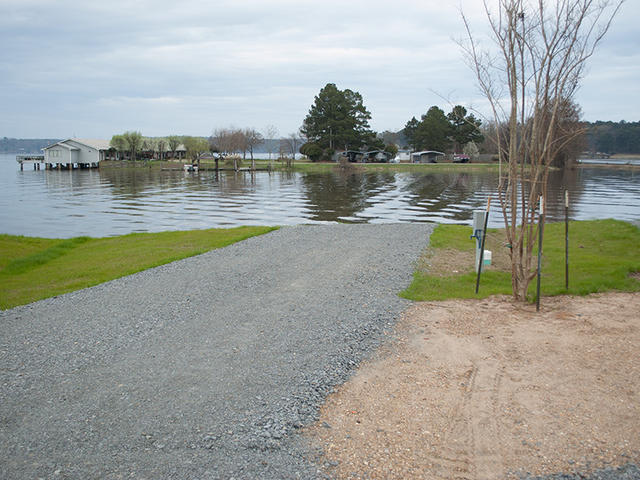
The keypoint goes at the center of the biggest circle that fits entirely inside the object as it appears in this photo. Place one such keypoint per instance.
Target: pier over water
(39, 159)
(35, 159)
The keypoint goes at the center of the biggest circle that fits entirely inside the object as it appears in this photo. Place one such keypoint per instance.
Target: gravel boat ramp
(203, 368)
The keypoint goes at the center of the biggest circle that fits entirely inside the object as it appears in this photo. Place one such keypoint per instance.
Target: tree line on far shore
(338, 121)
(132, 145)
(609, 137)
(613, 137)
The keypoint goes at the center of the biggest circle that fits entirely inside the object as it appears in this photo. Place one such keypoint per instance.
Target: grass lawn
(35, 268)
(603, 255)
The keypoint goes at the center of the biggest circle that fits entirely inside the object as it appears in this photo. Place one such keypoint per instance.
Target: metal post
(540, 227)
(484, 236)
(478, 225)
(566, 240)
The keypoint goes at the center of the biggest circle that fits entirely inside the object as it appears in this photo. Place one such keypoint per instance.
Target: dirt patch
(488, 389)
(444, 261)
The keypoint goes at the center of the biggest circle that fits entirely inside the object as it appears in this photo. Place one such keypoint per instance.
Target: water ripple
(103, 202)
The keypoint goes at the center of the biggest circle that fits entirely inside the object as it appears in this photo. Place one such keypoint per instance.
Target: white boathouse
(83, 153)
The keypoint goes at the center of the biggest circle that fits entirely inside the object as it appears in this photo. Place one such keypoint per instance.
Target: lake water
(118, 201)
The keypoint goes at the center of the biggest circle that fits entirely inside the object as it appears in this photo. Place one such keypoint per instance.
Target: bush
(312, 150)
(391, 149)
(327, 155)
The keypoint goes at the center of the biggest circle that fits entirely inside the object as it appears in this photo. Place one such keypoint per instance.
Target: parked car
(461, 158)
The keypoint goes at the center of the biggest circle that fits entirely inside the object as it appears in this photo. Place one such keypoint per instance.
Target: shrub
(312, 150)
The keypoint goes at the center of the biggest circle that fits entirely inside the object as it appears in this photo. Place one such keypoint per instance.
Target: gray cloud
(162, 67)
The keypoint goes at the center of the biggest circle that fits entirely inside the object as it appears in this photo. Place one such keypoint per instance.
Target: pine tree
(338, 119)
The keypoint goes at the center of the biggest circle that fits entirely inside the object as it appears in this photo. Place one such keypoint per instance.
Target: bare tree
(291, 144)
(542, 50)
(217, 141)
(253, 138)
(240, 142)
(270, 133)
(224, 141)
(228, 142)
(283, 149)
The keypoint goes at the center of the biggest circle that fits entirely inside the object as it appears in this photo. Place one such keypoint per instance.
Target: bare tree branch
(529, 79)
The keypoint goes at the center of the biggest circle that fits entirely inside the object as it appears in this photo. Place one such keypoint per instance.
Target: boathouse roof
(428, 152)
(89, 142)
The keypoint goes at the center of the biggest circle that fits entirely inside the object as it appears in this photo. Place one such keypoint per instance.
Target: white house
(76, 151)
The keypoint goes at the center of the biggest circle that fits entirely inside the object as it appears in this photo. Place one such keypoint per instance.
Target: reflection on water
(397, 197)
(117, 201)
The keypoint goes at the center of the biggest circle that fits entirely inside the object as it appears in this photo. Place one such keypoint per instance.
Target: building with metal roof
(426, 156)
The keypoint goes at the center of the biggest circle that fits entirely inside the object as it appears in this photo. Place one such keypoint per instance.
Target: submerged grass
(602, 256)
(308, 166)
(35, 268)
(397, 167)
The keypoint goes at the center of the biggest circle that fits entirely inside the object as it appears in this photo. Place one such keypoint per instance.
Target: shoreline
(262, 164)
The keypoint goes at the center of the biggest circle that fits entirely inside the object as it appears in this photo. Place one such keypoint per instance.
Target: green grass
(35, 268)
(602, 255)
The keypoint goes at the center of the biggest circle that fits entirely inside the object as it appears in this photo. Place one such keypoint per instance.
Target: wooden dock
(38, 161)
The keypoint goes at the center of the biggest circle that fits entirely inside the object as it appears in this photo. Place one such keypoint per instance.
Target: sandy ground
(488, 389)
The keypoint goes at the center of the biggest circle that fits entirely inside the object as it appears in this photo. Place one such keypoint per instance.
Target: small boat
(190, 167)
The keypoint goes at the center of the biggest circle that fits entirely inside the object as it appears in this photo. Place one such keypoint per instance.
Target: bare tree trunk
(542, 51)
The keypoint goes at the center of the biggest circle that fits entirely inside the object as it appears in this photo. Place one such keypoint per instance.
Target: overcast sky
(92, 69)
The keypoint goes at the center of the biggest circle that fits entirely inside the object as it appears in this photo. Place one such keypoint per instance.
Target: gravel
(629, 471)
(204, 368)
